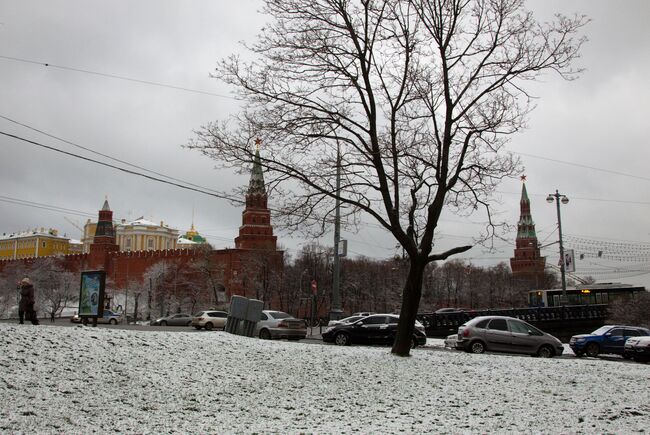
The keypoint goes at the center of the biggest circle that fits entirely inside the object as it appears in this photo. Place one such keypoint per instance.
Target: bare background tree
(631, 311)
(57, 288)
(413, 100)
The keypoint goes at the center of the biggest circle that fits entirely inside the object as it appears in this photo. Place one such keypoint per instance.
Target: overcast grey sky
(587, 138)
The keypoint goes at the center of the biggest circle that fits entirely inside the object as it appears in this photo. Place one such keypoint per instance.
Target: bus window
(556, 300)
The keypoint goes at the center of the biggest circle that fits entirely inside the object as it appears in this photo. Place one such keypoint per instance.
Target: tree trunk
(410, 306)
(135, 309)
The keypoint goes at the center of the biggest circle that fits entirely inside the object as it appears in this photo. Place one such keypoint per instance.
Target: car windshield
(279, 315)
(601, 330)
(350, 319)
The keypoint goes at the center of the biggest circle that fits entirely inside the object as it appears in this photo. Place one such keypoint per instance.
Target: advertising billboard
(91, 293)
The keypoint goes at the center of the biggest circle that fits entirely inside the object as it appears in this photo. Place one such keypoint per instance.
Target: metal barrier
(243, 315)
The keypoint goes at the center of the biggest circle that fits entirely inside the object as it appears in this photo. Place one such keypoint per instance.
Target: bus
(583, 294)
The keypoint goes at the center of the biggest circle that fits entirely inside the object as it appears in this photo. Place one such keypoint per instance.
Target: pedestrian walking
(26, 305)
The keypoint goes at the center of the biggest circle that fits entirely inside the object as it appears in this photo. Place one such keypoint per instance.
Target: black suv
(374, 329)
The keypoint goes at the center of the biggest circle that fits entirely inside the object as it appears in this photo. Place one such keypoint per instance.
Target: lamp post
(300, 285)
(557, 197)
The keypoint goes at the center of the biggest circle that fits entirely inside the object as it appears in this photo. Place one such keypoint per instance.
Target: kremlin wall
(129, 263)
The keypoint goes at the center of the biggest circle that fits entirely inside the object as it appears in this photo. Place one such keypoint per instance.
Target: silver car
(278, 324)
(210, 320)
(109, 317)
(173, 320)
(506, 334)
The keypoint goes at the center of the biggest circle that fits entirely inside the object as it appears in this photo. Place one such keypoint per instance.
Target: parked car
(637, 348)
(346, 320)
(173, 320)
(506, 334)
(75, 318)
(372, 329)
(109, 317)
(278, 324)
(606, 339)
(210, 320)
(449, 310)
(451, 341)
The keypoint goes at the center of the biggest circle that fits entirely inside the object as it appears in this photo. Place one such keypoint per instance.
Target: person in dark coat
(26, 304)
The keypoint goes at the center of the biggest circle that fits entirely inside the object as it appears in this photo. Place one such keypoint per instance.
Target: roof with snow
(51, 233)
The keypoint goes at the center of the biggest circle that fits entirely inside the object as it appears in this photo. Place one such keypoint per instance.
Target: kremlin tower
(256, 231)
(104, 240)
(527, 265)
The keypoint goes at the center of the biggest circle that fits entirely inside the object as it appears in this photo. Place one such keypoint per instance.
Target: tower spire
(256, 184)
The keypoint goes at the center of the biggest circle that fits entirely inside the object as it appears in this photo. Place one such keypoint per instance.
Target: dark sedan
(374, 329)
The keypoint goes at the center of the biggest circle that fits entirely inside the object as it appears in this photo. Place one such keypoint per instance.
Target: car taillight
(282, 325)
(465, 332)
(200, 319)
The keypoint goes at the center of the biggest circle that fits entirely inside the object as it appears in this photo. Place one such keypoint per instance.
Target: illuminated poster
(91, 293)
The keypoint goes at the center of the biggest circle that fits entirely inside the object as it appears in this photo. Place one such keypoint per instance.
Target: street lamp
(300, 282)
(560, 198)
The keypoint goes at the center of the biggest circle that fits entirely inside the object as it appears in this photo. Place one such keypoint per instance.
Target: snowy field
(103, 380)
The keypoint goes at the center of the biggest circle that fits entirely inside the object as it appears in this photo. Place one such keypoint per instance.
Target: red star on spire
(258, 142)
(522, 178)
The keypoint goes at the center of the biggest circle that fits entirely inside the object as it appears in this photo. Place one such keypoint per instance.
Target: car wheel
(208, 326)
(163, 323)
(414, 343)
(592, 350)
(113, 322)
(265, 334)
(342, 339)
(477, 347)
(545, 352)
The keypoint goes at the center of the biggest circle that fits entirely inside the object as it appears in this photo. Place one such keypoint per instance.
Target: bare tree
(57, 287)
(11, 274)
(412, 100)
(154, 281)
(212, 273)
(631, 310)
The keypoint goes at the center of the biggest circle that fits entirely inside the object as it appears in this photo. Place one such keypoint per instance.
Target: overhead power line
(42, 206)
(115, 76)
(213, 94)
(128, 171)
(103, 155)
(579, 165)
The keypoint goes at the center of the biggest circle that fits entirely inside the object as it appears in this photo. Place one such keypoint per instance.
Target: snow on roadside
(83, 379)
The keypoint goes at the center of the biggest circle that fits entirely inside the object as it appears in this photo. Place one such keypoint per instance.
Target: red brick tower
(256, 231)
(527, 265)
(104, 240)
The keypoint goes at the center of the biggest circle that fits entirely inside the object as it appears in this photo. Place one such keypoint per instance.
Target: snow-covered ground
(58, 379)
